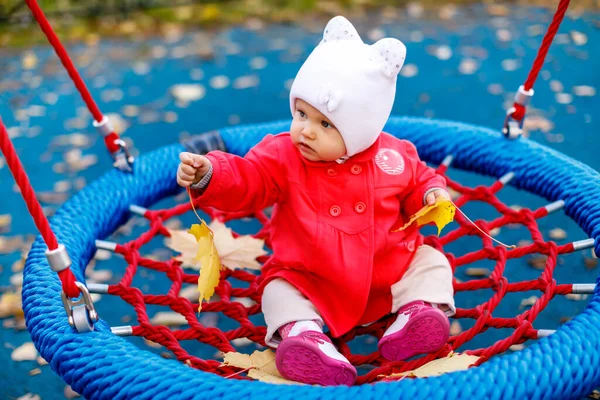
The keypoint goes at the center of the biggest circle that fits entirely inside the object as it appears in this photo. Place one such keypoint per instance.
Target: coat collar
(363, 156)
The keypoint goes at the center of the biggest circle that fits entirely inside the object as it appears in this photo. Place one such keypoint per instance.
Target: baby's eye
(325, 124)
(302, 115)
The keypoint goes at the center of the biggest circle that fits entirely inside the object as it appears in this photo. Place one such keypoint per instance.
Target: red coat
(331, 222)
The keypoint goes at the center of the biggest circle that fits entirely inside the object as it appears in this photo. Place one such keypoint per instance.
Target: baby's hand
(192, 168)
(434, 194)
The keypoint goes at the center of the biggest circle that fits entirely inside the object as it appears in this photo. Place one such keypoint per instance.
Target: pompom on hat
(350, 82)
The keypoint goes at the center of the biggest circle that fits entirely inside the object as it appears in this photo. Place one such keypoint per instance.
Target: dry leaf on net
(260, 365)
(187, 247)
(453, 362)
(240, 252)
(441, 213)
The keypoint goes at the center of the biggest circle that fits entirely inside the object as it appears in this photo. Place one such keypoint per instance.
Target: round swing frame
(100, 364)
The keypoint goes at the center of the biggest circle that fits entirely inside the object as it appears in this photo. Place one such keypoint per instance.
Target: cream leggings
(428, 278)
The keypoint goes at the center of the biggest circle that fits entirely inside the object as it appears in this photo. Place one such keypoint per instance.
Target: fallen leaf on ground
(260, 365)
(25, 352)
(528, 302)
(10, 244)
(454, 362)
(17, 323)
(538, 261)
(5, 220)
(168, 318)
(558, 234)
(594, 395)
(477, 272)
(100, 275)
(575, 296)
(29, 396)
(70, 393)
(241, 342)
(589, 262)
(189, 292)
(441, 213)
(10, 305)
(455, 328)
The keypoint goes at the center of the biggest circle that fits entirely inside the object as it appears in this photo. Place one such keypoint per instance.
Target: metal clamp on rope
(81, 312)
(513, 128)
(58, 258)
(123, 160)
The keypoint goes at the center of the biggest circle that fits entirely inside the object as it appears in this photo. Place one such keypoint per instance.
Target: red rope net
(482, 314)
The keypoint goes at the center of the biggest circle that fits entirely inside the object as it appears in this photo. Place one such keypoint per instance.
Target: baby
(339, 187)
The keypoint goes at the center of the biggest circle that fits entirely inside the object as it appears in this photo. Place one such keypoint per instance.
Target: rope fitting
(523, 97)
(58, 258)
(512, 127)
(123, 160)
(81, 312)
(104, 127)
(515, 116)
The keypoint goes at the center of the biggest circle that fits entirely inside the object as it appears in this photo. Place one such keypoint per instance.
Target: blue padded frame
(100, 365)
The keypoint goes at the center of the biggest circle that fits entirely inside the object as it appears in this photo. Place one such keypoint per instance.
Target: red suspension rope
(61, 52)
(517, 112)
(113, 143)
(35, 209)
(546, 42)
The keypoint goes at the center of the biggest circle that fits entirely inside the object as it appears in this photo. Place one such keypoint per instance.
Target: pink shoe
(311, 358)
(419, 328)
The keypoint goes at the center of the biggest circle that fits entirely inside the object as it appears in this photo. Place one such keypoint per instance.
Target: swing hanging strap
(115, 145)
(57, 255)
(515, 116)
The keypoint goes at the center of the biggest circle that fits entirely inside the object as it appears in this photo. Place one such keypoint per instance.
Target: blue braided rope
(103, 366)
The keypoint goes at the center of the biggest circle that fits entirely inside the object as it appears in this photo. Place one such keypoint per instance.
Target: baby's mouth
(305, 147)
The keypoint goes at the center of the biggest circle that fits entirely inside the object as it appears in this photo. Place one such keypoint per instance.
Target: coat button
(335, 211)
(356, 169)
(331, 172)
(411, 245)
(360, 207)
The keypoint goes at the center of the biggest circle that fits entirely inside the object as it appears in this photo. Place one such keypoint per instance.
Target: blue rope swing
(100, 365)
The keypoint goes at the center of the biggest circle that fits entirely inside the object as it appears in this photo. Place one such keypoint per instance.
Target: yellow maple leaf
(240, 252)
(260, 365)
(441, 213)
(453, 362)
(210, 264)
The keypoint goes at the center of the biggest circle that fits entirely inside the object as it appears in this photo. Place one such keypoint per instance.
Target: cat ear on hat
(390, 54)
(339, 28)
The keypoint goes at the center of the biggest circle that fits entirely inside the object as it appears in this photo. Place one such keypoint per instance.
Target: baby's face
(314, 135)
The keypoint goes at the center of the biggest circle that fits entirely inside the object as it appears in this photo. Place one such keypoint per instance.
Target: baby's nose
(308, 132)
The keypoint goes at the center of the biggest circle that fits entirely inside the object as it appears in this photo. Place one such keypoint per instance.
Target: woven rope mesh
(237, 298)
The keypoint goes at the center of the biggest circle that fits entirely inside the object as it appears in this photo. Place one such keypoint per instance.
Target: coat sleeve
(424, 178)
(245, 184)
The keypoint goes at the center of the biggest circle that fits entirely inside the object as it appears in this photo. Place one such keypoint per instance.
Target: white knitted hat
(350, 82)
